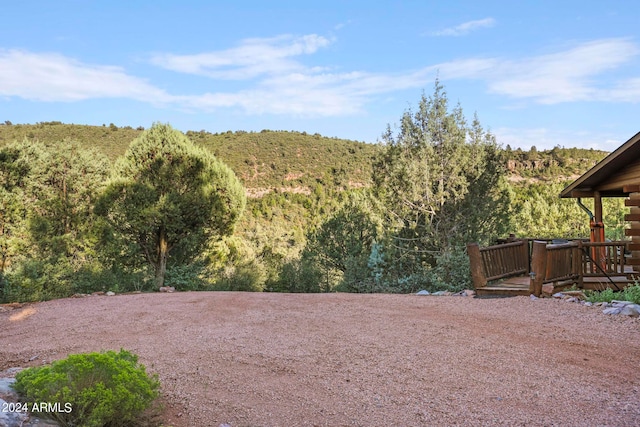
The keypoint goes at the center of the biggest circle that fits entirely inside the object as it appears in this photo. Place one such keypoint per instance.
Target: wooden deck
(518, 286)
(600, 283)
(523, 267)
(511, 287)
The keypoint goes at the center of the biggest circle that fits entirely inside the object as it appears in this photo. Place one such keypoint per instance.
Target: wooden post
(538, 267)
(580, 264)
(524, 254)
(475, 262)
(597, 206)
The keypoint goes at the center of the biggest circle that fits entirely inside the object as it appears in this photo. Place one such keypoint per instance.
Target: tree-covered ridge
(296, 161)
(264, 161)
(557, 164)
(289, 159)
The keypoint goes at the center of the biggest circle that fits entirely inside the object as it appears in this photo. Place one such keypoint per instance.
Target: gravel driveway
(262, 359)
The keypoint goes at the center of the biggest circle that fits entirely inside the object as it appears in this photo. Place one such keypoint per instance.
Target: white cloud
(252, 58)
(566, 76)
(281, 84)
(53, 77)
(276, 81)
(466, 28)
(572, 75)
(627, 90)
(309, 94)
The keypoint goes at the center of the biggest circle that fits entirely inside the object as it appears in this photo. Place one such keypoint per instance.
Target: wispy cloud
(312, 94)
(571, 75)
(53, 77)
(279, 76)
(280, 83)
(252, 58)
(465, 28)
(566, 76)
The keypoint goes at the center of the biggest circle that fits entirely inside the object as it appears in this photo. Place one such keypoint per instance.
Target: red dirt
(261, 359)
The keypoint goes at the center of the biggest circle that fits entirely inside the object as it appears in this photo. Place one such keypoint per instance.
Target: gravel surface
(261, 359)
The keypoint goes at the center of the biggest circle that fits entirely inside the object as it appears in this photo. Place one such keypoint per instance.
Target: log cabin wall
(633, 218)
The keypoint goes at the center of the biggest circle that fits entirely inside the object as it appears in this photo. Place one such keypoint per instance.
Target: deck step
(483, 292)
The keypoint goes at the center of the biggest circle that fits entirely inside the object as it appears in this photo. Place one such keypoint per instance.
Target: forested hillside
(264, 161)
(307, 195)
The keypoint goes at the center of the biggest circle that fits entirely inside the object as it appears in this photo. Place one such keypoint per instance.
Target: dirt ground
(261, 359)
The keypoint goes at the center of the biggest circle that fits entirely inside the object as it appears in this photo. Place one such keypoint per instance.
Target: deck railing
(498, 261)
(555, 263)
(562, 264)
(600, 258)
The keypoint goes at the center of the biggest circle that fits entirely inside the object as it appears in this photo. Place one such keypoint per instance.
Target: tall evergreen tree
(442, 183)
(46, 219)
(169, 196)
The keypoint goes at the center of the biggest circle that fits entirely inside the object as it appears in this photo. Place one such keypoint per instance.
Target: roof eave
(574, 188)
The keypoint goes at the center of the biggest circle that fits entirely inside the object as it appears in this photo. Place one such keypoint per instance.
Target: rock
(618, 303)
(612, 310)
(442, 293)
(10, 372)
(423, 292)
(469, 292)
(632, 310)
(98, 293)
(11, 419)
(6, 392)
(19, 418)
(110, 294)
(532, 297)
(167, 289)
(558, 295)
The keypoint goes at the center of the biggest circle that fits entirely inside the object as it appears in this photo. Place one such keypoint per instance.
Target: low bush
(91, 390)
(630, 293)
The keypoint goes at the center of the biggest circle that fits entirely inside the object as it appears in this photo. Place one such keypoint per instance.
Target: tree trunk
(161, 262)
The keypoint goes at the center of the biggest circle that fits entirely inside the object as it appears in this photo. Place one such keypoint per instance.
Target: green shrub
(92, 390)
(39, 280)
(249, 276)
(451, 272)
(186, 277)
(630, 293)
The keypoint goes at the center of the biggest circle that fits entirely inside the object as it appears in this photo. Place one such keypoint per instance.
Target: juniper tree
(442, 182)
(168, 197)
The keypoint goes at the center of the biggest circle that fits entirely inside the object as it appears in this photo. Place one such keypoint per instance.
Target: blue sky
(537, 73)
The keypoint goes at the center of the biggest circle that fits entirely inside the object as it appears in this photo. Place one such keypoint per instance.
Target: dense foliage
(91, 390)
(443, 183)
(168, 198)
(413, 201)
(47, 228)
